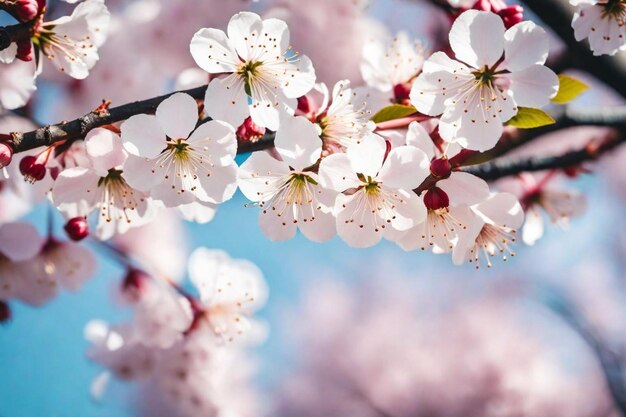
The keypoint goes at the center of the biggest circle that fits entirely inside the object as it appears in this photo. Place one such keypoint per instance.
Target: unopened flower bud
(490, 5)
(512, 15)
(441, 168)
(435, 199)
(77, 228)
(6, 154)
(31, 169)
(249, 131)
(26, 9)
(25, 51)
(135, 284)
(401, 93)
(5, 312)
(303, 105)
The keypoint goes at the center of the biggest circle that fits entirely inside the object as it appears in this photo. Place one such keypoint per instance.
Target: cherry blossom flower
(482, 89)
(603, 22)
(177, 163)
(102, 187)
(491, 232)
(287, 191)
(376, 189)
(230, 292)
(544, 194)
(264, 76)
(388, 68)
(32, 269)
(342, 117)
(71, 42)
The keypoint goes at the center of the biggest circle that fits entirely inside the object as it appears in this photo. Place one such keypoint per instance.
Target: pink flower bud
(436, 199)
(441, 168)
(250, 132)
(303, 105)
(484, 5)
(490, 5)
(77, 228)
(135, 284)
(26, 9)
(5, 312)
(31, 169)
(6, 154)
(401, 93)
(25, 50)
(512, 15)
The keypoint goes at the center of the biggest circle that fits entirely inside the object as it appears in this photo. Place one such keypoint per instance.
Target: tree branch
(503, 168)
(565, 117)
(14, 33)
(78, 128)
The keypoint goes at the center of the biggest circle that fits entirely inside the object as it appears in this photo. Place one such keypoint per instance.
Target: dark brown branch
(507, 167)
(78, 128)
(14, 33)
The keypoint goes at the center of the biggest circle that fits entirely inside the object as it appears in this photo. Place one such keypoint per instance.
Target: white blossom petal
(298, 142)
(477, 38)
(143, 136)
(177, 115)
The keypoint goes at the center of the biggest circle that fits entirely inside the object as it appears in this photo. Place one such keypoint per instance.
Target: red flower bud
(436, 199)
(401, 93)
(31, 169)
(249, 131)
(26, 9)
(441, 168)
(512, 15)
(77, 228)
(303, 105)
(6, 154)
(134, 284)
(484, 5)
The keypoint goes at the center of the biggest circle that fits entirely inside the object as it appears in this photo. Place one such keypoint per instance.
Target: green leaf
(529, 118)
(569, 89)
(395, 111)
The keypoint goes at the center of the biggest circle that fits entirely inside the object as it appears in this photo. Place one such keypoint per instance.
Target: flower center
(490, 241)
(248, 70)
(615, 9)
(179, 149)
(117, 197)
(485, 76)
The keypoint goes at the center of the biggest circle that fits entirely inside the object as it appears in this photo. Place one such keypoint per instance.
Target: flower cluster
(70, 43)
(333, 170)
(185, 351)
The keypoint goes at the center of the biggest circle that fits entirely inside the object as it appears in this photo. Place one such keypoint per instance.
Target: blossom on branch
(376, 189)
(287, 190)
(264, 77)
(495, 72)
(176, 162)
